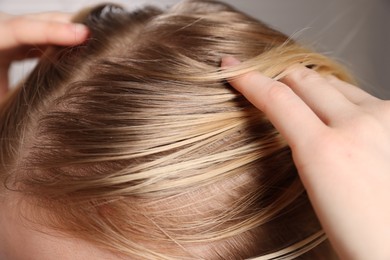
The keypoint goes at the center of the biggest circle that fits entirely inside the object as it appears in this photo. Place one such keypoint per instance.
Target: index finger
(39, 32)
(52, 16)
(294, 119)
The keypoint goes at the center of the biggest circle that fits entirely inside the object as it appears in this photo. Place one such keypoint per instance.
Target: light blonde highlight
(134, 141)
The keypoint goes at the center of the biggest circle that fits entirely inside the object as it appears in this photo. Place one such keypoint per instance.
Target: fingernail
(81, 29)
(229, 61)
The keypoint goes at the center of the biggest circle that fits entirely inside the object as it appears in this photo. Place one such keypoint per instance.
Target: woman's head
(134, 142)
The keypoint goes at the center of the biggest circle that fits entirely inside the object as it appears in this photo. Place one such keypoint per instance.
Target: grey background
(355, 32)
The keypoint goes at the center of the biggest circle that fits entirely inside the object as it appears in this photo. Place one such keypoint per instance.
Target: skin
(28, 35)
(24, 37)
(342, 154)
(340, 139)
(19, 240)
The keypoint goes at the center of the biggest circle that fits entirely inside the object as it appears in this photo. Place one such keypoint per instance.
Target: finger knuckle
(278, 91)
(303, 74)
(14, 22)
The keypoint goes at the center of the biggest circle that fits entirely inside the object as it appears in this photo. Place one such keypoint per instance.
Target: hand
(21, 34)
(340, 139)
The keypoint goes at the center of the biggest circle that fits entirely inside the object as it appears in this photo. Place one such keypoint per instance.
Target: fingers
(52, 16)
(351, 92)
(41, 29)
(37, 32)
(284, 108)
(326, 101)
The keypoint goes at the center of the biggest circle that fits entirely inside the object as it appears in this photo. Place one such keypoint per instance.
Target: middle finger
(325, 100)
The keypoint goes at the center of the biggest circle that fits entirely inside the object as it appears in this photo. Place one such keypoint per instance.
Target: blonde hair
(134, 140)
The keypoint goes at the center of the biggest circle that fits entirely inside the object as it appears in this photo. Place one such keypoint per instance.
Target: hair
(135, 142)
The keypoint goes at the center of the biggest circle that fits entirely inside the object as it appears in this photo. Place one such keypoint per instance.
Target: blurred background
(354, 32)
